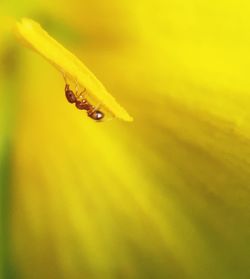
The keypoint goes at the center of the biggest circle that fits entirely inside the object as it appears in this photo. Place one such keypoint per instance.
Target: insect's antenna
(65, 77)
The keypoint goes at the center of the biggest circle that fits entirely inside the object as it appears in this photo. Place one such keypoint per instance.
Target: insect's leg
(97, 107)
(93, 109)
(80, 95)
(76, 88)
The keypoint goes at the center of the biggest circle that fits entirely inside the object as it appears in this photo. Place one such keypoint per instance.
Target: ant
(81, 103)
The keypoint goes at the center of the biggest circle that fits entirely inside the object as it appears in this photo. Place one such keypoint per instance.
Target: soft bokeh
(166, 196)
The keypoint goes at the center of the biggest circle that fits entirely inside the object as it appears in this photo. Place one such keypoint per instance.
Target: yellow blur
(164, 197)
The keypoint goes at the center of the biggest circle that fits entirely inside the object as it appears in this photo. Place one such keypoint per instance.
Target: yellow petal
(37, 38)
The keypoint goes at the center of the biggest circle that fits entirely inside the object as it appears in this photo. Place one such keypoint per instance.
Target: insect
(82, 103)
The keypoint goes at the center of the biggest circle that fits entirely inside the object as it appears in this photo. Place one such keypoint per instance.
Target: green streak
(9, 62)
(5, 177)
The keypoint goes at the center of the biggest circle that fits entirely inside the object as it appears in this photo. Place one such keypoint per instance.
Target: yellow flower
(165, 197)
(32, 34)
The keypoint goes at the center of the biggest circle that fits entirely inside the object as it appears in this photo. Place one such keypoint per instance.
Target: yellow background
(166, 196)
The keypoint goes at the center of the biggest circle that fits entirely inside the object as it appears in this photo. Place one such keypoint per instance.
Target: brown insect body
(83, 104)
(70, 95)
(96, 115)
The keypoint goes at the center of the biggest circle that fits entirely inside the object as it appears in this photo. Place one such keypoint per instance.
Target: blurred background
(167, 196)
